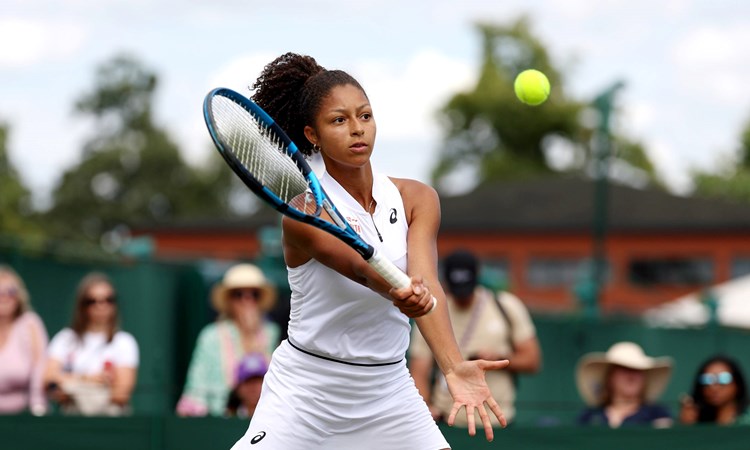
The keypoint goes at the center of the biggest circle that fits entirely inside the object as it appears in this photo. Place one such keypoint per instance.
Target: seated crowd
(623, 386)
(90, 367)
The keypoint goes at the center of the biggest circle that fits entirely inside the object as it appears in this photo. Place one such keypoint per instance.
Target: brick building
(537, 236)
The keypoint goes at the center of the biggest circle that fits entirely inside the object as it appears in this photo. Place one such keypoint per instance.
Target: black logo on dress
(258, 437)
(394, 219)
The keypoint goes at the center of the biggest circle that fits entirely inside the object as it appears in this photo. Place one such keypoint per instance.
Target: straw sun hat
(243, 276)
(592, 371)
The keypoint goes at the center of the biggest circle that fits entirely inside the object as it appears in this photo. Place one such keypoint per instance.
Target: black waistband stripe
(327, 358)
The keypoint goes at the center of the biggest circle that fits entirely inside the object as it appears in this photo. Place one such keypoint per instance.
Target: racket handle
(392, 274)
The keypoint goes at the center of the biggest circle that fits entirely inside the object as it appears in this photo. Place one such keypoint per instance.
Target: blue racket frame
(341, 228)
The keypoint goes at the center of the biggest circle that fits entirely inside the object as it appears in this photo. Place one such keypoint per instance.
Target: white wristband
(434, 304)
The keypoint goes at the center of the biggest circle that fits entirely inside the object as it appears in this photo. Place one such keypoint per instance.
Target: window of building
(548, 272)
(741, 266)
(676, 271)
(495, 273)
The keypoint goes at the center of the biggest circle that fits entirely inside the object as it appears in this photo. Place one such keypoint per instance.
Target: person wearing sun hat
(622, 387)
(242, 276)
(242, 300)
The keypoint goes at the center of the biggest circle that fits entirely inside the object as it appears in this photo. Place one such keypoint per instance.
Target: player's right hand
(413, 301)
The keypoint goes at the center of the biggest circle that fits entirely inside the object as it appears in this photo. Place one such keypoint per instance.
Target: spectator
(244, 397)
(488, 325)
(92, 365)
(23, 341)
(242, 299)
(719, 395)
(621, 387)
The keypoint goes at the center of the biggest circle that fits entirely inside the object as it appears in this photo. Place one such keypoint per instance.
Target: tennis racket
(269, 163)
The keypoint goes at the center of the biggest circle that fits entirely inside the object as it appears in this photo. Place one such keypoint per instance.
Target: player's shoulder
(414, 189)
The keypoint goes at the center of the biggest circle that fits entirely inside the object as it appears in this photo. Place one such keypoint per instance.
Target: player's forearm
(368, 277)
(302, 242)
(438, 332)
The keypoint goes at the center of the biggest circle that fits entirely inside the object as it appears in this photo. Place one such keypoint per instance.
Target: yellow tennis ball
(532, 87)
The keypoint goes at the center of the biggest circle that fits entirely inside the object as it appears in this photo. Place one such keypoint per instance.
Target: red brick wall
(517, 249)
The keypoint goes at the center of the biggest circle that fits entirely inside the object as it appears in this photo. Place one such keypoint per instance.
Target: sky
(684, 64)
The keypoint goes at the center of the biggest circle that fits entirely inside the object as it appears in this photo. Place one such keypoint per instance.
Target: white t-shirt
(89, 356)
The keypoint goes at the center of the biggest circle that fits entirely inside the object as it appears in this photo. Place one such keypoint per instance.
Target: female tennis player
(340, 380)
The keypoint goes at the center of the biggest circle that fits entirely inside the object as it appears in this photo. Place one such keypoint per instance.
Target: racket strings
(259, 150)
(305, 203)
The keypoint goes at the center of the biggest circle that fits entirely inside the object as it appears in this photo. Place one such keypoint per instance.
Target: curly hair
(291, 89)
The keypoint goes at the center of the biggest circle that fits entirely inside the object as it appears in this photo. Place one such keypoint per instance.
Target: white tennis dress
(340, 381)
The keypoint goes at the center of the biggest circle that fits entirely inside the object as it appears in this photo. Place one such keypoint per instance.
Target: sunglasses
(722, 378)
(90, 301)
(240, 294)
(9, 292)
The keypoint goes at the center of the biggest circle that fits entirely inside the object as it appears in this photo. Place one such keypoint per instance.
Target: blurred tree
(131, 171)
(15, 199)
(490, 132)
(631, 164)
(733, 179)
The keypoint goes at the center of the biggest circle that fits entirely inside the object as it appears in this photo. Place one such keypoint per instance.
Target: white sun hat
(592, 371)
(243, 276)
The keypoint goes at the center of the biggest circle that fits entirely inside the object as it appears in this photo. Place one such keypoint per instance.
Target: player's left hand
(468, 387)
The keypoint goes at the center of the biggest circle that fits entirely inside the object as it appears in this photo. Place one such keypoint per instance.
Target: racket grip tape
(392, 274)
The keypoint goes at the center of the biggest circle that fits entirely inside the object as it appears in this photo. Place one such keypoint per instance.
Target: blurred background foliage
(131, 171)
(489, 134)
(733, 180)
(15, 198)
